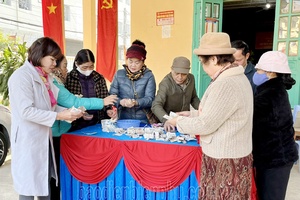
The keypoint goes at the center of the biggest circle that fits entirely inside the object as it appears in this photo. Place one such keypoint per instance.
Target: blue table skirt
(121, 185)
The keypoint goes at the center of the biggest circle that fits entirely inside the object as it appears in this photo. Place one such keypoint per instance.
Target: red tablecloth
(158, 167)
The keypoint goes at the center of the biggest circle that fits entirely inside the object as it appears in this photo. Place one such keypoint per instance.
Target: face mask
(259, 79)
(86, 73)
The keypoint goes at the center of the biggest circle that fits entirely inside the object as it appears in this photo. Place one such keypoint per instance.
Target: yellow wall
(162, 51)
(89, 25)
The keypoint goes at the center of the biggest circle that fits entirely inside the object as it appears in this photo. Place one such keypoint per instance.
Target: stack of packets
(155, 133)
(79, 109)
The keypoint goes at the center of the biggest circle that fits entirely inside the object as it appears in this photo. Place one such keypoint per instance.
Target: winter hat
(214, 44)
(181, 65)
(274, 61)
(136, 51)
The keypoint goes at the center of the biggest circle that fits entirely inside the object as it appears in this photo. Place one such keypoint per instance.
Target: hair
(137, 50)
(83, 56)
(58, 62)
(41, 48)
(139, 42)
(221, 59)
(287, 80)
(241, 45)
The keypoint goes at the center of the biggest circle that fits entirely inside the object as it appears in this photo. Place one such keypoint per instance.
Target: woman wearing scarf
(223, 121)
(34, 110)
(134, 85)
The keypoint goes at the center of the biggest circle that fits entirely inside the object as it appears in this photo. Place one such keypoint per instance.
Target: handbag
(152, 119)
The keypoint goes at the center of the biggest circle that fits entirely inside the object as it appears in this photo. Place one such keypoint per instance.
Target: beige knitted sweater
(224, 118)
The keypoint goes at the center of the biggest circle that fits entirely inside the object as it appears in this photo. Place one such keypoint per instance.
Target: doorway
(253, 25)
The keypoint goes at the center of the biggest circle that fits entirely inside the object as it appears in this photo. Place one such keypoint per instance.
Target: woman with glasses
(84, 81)
(135, 85)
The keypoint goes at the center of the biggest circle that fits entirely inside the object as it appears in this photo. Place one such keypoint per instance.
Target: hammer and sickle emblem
(107, 4)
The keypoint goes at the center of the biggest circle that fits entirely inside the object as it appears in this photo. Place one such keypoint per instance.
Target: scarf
(44, 78)
(59, 77)
(136, 75)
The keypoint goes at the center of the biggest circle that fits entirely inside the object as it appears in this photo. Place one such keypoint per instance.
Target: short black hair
(41, 48)
(241, 45)
(83, 56)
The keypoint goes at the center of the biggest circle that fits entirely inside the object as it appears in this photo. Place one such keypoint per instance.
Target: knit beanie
(136, 51)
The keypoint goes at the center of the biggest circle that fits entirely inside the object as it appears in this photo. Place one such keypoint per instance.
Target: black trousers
(55, 191)
(272, 183)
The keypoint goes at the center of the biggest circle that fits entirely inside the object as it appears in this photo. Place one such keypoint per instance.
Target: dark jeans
(55, 191)
(272, 183)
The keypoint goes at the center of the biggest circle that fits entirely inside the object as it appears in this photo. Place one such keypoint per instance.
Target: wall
(161, 51)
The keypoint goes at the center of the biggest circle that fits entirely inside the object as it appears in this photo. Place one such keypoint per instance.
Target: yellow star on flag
(51, 8)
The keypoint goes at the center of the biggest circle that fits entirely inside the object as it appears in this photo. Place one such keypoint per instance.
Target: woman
(84, 81)
(134, 85)
(34, 109)
(274, 148)
(223, 121)
(68, 100)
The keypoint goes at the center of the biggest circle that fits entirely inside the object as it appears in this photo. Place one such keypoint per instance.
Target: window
(67, 13)
(120, 26)
(25, 4)
(6, 2)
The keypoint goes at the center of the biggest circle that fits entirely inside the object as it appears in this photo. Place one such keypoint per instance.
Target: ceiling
(236, 4)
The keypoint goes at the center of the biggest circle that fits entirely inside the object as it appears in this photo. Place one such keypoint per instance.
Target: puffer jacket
(273, 132)
(145, 88)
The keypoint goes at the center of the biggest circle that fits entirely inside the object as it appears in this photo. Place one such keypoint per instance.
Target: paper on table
(171, 115)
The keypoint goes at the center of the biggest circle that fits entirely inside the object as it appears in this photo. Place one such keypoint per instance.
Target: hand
(184, 113)
(112, 113)
(110, 100)
(69, 114)
(127, 103)
(170, 125)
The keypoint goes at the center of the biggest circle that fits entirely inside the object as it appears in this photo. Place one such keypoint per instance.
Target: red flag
(53, 21)
(107, 38)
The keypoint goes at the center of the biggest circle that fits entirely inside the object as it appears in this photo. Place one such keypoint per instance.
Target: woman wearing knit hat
(223, 121)
(274, 148)
(134, 85)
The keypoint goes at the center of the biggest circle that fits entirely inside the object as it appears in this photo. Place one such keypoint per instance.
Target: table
(105, 166)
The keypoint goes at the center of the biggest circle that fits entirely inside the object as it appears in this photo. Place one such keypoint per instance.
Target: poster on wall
(165, 18)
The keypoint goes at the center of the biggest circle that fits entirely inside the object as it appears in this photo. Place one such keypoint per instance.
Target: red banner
(107, 38)
(53, 21)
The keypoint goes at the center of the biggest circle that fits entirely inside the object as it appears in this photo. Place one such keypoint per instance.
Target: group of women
(233, 128)
(43, 101)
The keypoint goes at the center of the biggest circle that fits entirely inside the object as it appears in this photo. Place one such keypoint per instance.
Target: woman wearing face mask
(86, 82)
(67, 99)
(274, 148)
(134, 85)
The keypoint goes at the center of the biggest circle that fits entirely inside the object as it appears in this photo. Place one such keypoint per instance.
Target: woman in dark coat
(274, 148)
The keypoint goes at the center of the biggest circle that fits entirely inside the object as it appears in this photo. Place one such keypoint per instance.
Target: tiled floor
(7, 192)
